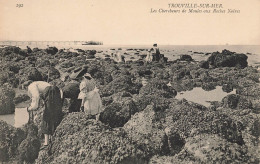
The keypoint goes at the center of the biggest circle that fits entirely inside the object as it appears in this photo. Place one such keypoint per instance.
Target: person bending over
(52, 113)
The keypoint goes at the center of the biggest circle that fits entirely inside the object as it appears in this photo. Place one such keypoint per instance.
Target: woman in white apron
(91, 101)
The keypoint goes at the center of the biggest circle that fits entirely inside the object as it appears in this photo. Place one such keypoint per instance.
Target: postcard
(133, 81)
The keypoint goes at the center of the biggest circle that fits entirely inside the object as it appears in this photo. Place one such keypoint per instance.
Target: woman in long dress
(149, 56)
(52, 113)
(91, 101)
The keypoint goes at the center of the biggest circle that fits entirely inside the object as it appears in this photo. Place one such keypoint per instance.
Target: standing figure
(157, 54)
(52, 114)
(91, 101)
(149, 57)
(119, 57)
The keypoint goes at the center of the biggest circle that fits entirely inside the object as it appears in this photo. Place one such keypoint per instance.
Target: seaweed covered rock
(7, 95)
(79, 139)
(21, 98)
(51, 50)
(188, 119)
(159, 88)
(119, 84)
(42, 63)
(49, 73)
(8, 77)
(29, 148)
(204, 64)
(117, 114)
(159, 103)
(10, 138)
(227, 59)
(33, 74)
(214, 149)
(235, 101)
(145, 129)
(186, 58)
(11, 50)
(209, 86)
(227, 87)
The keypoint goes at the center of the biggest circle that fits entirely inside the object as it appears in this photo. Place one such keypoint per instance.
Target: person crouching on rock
(52, 113)
(71, 91)
(91, 101)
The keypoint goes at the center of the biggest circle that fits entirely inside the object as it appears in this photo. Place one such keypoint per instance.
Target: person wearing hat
(71, 90)
(91, 101)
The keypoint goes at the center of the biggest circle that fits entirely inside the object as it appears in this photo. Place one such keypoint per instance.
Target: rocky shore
(141, 122)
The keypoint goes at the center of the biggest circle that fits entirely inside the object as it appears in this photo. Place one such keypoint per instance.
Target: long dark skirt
(52, 114)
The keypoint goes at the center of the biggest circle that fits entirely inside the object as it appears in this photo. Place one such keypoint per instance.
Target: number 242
(19, 5)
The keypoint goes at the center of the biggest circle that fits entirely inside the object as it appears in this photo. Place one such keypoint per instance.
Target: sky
(128, 22)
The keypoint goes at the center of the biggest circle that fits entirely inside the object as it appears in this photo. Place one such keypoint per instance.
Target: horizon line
(130, 44)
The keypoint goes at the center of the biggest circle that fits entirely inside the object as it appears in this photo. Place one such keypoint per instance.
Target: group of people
(118, 57)
(81, 91)
(153, 54)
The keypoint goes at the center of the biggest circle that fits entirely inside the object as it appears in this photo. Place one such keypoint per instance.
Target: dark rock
(36, 49)
(204, 64)
(34, 75)
(51, 50)
(227, 59)
(49, 73)
(116, 114)
(209, 86)
(107, 100)
(143, 130)
(214, 149)
(10, 138)
(7, 95)
(230, 101)
(175, 142)
(21, 98)
(227, 87)
(159, 102)
(29, 147)
(158, 87)
(187, 119)
(235, 101)
(186, 58)
(119, 84)
(88, 141)
(12, 50)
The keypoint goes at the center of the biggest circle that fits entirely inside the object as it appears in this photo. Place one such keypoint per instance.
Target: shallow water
(200, 96)
(18, 119)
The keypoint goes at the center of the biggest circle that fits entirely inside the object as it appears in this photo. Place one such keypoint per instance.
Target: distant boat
(92, 43)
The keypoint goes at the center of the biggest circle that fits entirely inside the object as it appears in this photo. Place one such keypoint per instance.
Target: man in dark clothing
(157, 54)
